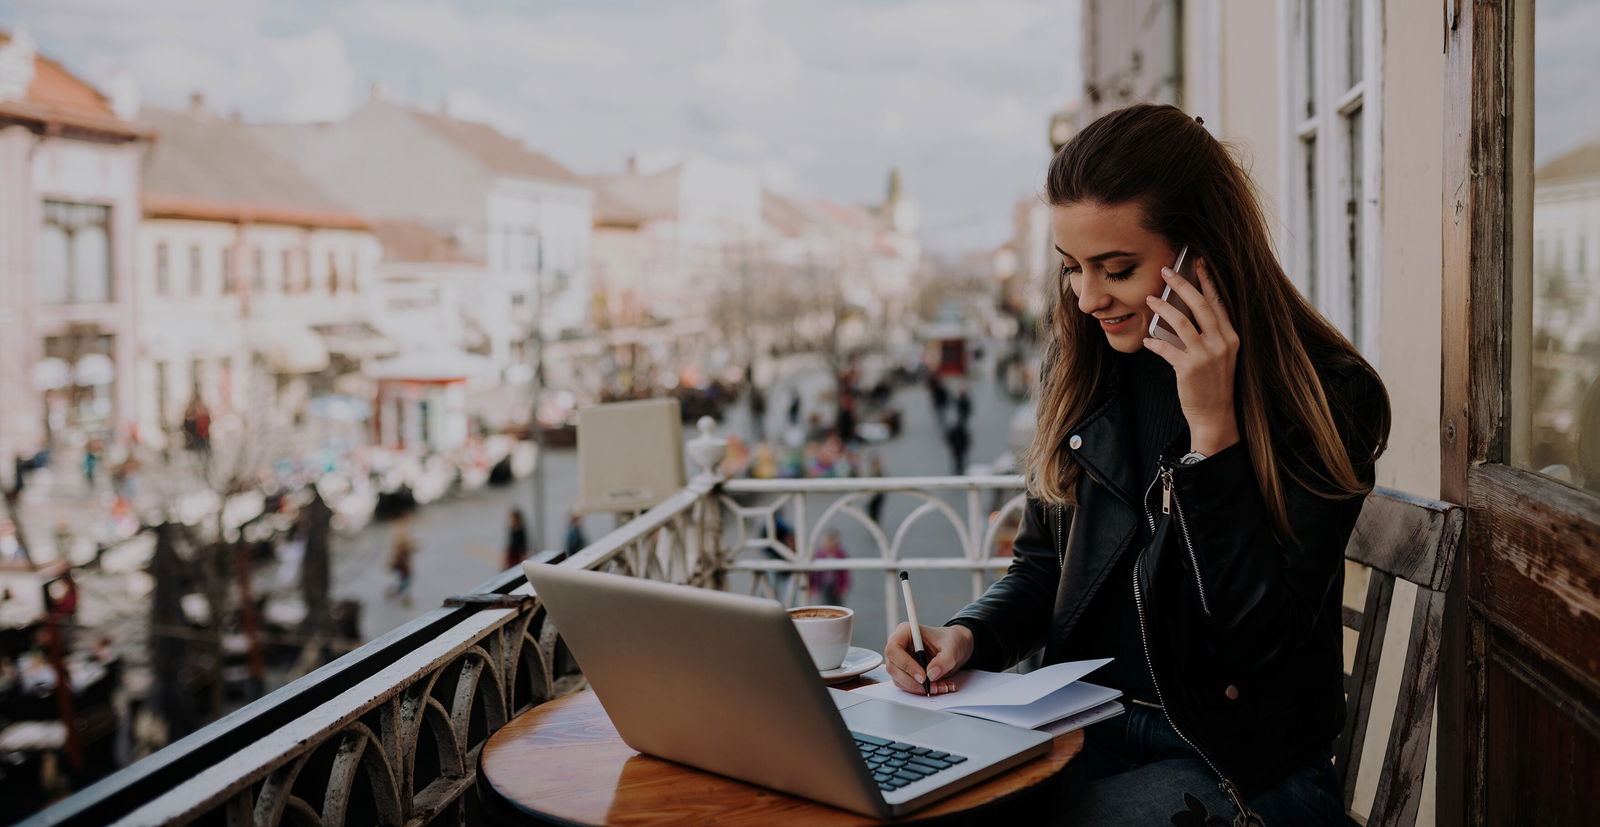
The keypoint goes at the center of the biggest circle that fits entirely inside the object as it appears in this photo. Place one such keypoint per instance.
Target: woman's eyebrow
(1101, 257)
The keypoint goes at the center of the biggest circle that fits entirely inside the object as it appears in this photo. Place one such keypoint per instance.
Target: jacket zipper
(1170, 504)
(1227, 786)
(1061, 547)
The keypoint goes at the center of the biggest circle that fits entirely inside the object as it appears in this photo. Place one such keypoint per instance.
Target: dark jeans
(1134, 769)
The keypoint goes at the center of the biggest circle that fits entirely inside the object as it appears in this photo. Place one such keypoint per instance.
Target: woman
(516, 538)
(830, 587)
(1188, 507)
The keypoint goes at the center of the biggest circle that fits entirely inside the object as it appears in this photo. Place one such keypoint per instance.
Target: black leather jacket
(1241, 628)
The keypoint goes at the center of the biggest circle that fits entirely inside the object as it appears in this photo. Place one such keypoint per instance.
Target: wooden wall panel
(1538, 553)
(1543, 768)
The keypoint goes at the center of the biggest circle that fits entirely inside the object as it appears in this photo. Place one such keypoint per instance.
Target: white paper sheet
(1028, 701)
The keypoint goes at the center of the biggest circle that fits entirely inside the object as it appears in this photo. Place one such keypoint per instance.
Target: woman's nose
(1090, 295)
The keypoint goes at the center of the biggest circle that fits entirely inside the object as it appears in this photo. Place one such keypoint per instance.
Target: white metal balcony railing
(391, 732)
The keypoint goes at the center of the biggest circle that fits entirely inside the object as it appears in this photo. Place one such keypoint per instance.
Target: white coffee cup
(825, 630)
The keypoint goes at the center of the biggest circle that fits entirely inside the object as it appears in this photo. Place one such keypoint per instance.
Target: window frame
(70, 228)
(197, 286)
(163, 281)
(1317, 250)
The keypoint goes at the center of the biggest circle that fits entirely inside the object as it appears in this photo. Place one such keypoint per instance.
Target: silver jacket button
(1075, 442)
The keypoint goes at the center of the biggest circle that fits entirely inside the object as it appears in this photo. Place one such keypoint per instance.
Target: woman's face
(1111, 263)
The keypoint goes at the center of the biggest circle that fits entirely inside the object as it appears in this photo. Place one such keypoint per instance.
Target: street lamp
(539, 529)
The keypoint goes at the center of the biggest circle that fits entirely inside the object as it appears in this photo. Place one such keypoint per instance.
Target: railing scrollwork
(391, 733)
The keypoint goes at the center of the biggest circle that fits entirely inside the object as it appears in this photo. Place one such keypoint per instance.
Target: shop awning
(290, 348)
(357, 340)
(438, 364)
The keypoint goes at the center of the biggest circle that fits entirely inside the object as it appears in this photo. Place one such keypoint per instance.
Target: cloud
(173, 48)
(827, 95)
(314, 74)
(755, 66)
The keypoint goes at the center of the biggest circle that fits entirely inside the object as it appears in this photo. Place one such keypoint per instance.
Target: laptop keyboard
(895, 764)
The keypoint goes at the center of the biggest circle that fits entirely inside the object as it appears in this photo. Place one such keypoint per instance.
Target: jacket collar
(1103, 445)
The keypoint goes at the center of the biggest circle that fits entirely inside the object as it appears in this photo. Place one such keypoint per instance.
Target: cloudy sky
(823, 97)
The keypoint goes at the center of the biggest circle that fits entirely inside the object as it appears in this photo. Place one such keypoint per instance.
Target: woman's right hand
(949, 648)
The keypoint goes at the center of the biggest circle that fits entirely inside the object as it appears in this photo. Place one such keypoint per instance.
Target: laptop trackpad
(885, 718)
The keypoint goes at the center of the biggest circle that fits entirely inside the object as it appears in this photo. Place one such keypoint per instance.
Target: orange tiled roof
(58, 97)
(211, 169)
(497, 151)
(157, 205)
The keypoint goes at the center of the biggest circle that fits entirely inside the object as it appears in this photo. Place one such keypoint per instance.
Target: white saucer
(857, 662)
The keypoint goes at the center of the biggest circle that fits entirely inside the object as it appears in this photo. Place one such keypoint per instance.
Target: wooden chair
(1399, 536)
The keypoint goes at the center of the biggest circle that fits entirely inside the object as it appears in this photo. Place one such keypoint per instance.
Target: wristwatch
(1191, 458)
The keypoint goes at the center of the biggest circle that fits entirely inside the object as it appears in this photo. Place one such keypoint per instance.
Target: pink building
(69, 209)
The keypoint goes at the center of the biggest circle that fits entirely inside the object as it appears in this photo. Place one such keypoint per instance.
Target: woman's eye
(1069, 269)
(1120, 276)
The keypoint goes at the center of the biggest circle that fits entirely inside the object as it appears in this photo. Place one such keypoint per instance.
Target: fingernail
(1149, 299)
(1167, 271)
(917, 678)
(934, 673)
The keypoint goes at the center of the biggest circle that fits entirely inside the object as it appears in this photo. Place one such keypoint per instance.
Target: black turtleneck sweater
(1109, 627)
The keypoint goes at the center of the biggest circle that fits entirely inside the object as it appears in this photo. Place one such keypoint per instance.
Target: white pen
(916, 631)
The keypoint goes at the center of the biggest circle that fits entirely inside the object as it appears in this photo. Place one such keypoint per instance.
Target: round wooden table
(562, 762)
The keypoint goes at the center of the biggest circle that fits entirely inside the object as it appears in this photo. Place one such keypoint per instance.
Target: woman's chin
(1126, 342)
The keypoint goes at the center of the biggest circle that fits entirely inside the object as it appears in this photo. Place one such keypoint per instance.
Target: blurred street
(461, 541)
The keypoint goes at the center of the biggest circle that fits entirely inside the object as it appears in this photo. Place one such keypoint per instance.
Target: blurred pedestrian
(963, 405)
(575, 541)
(875, 505)
(940, 394)
(197, 426)
(11, 548)
(959, 440)
(783, 535)
(845, 423)
(830, 586)
(402, 547)
(794, 406)
(91, 462)
(758, 413)
(516, 538)
(765, 465)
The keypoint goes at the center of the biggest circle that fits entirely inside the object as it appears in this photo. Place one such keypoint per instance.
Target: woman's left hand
(1205, 364)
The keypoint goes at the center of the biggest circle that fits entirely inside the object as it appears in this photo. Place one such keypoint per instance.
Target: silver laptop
(721, 682)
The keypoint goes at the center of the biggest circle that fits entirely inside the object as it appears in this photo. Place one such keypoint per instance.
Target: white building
(69, 206)
(676, 232)
(253, 283)
(523, 216)
(1565, 381)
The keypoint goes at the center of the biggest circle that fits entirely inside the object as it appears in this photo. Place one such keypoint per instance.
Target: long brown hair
(1191, 191)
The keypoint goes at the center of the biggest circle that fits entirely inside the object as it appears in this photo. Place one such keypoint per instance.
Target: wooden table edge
(578, 720)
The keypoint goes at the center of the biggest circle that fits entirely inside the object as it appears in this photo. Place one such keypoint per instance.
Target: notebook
(1030, 701)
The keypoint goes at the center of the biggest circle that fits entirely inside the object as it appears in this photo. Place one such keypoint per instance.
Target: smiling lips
(1115, 322)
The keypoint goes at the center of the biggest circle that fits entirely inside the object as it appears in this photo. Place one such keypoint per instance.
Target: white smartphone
(1159, 327)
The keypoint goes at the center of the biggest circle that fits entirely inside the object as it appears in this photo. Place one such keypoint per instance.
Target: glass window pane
(163, 270)
(91, 264)
(53, 279)
(1309, 231)
(1354, 42)
(1308, 47)
(1352, 217)
(1559, 406)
